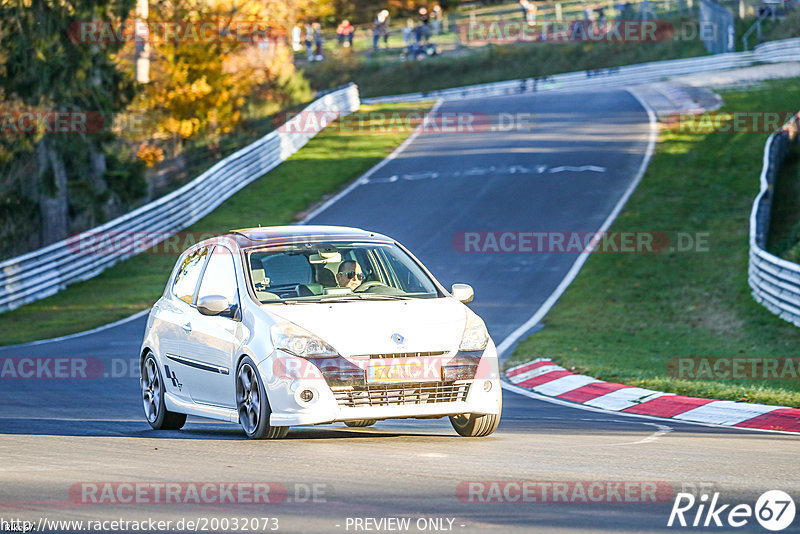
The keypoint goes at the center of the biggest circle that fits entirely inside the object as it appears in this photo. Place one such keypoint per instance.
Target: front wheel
(153, 398)
(253, 404)
(470, 425)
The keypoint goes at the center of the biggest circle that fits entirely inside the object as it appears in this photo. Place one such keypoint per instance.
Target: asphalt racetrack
(61, 440)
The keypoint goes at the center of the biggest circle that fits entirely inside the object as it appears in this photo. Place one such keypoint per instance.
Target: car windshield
(312, 272)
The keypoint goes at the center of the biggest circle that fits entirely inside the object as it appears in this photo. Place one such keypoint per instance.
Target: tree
(43, 69)
(202, 78)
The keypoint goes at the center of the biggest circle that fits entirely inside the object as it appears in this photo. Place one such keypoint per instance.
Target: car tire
(155, 410)
(252, 404)
(361, 423)
(471, 425)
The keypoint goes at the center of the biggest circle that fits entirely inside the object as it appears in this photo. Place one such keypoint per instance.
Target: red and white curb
(546, 378)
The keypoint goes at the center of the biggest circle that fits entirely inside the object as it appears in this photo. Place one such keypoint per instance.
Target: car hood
(368, 327)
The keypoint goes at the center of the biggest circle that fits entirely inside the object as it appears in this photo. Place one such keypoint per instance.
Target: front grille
(400, 394)
(397, 355)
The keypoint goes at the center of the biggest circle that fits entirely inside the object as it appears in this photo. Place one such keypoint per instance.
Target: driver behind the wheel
(349, 275)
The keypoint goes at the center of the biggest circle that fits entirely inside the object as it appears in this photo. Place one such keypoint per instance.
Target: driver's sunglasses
(353, 274)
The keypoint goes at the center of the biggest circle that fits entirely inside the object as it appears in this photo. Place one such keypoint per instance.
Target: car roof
(275, 235)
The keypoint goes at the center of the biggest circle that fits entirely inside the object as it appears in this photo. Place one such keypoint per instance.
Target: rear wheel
(153, 398)
(360, 423)
(253, 405)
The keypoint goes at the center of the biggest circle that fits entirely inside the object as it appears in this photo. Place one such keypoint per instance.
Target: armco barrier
(771, 52)
(775, 282)
(45, 271)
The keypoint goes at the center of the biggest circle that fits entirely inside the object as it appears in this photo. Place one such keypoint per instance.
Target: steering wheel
(367, 285)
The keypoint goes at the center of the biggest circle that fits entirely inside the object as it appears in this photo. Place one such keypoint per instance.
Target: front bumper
(480, 395)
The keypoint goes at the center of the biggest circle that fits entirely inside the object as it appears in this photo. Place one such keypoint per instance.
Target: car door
(213, 340)
(174, 320)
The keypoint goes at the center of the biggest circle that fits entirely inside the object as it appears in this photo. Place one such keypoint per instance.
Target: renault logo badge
(397, 338)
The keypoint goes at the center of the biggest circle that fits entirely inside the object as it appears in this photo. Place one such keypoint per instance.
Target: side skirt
(175, 404)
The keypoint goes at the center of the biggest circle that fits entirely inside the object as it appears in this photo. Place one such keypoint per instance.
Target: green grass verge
(331, 160)
(489, 64)
(626, 315)
(784, 228)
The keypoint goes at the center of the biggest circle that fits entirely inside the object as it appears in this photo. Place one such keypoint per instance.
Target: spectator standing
(385, 28)
(344, 33)
(424, 19)
(309, 37)
(297, 34)
(531, 13)
(600, 13)
(408, 29)
(436, 18)
(587, 15)
(380, 28)
(524, 5)
(318, 41)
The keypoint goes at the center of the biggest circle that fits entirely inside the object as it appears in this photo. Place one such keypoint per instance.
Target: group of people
(428, 23)
(416, 33)
(311, 36)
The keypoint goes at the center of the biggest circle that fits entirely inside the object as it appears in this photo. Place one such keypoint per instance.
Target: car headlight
(298, 341)
(475, 335)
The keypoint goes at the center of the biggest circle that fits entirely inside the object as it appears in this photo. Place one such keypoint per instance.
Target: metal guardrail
(44, 272)
(771, 52)
(775, 282)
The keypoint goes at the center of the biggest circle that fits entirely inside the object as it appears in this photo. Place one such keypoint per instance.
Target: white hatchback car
(298, 325)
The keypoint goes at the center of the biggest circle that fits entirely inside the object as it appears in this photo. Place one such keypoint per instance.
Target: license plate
(405, 371)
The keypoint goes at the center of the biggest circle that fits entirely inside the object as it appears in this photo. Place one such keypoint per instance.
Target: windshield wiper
(340, 298)
(372, 296)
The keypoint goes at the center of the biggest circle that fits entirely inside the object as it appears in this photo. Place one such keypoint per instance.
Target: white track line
(512, 338)
(365, 177)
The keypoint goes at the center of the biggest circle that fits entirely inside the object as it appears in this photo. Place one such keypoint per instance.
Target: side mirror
(463, 292)
(213, 305)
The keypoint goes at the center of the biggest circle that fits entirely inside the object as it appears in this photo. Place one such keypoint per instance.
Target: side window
(220, 276)
(189, 274)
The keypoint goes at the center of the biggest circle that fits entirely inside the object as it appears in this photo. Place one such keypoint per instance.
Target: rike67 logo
(774, 510)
